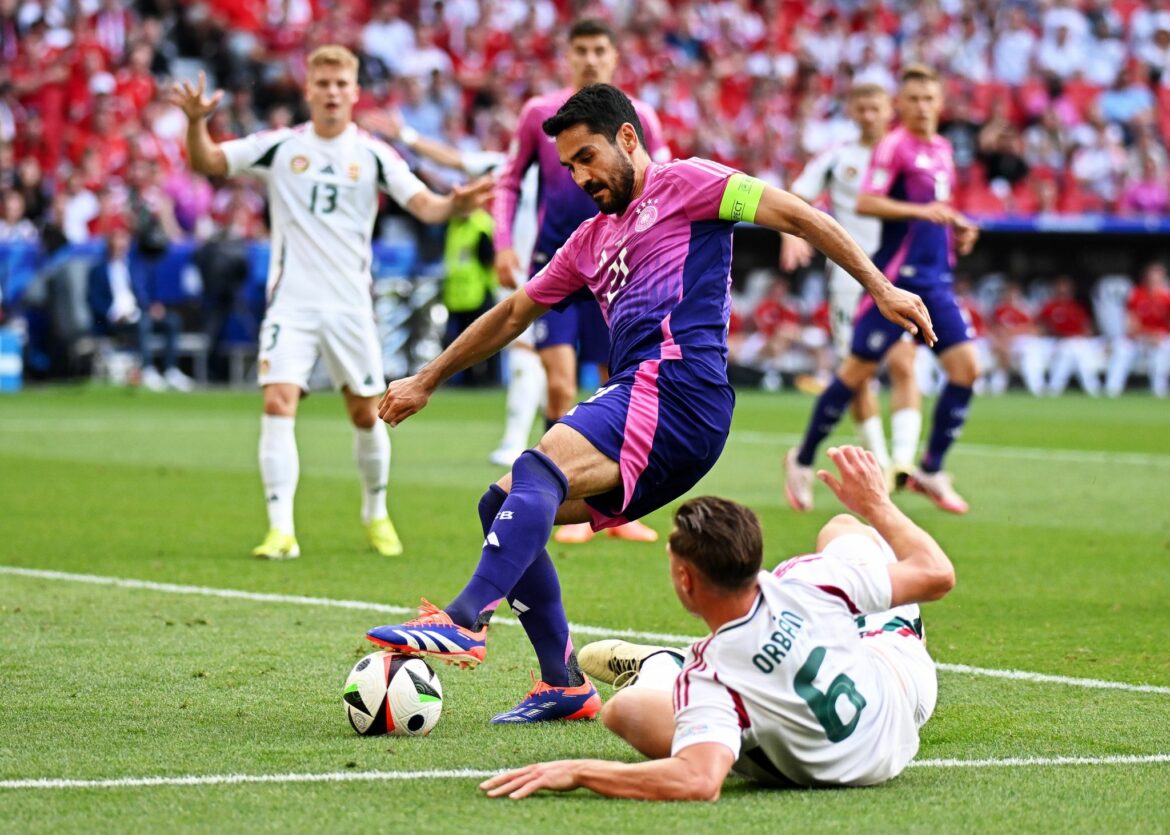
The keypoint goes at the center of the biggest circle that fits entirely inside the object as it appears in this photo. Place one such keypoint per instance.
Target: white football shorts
(347, 340)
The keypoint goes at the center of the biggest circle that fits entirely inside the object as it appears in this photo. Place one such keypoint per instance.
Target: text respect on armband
(775, 649)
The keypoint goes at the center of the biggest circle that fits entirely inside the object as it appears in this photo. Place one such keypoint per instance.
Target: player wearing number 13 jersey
(657, 259)
(324, 179)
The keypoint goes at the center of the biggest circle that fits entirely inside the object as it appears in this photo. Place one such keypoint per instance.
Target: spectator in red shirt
(1068, 321)
(1148, 334)
(1016, 343)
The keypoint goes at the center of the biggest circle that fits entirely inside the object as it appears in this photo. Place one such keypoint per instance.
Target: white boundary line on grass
(581, 629)
(1070, 456)
(467, 773)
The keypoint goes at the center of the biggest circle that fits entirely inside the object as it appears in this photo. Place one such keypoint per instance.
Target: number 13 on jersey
(323, 198)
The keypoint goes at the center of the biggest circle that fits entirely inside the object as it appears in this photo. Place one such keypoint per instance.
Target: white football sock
(905, 431)
(659, 671)
(873, 438)
(371, 451)
(280, 467)
(526, 390)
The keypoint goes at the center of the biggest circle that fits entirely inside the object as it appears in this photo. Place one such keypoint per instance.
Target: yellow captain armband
(741, 198)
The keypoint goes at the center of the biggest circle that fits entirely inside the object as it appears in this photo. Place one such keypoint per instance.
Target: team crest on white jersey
(299, 164)
(647, 214)
(354, 171)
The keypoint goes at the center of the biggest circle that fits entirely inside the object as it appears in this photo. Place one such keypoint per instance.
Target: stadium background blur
(1058, 111)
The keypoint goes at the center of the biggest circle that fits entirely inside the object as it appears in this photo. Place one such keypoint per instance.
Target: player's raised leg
(518, 515)
(279, 470)
(961, 364)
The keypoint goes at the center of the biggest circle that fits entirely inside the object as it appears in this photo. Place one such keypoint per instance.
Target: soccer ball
(392, 693)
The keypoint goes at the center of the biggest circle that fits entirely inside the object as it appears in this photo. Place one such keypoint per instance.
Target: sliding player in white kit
(839, 170)
(324, 178)
(791, 688)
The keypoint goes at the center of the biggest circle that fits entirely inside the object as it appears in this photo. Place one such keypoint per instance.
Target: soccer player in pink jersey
(658, 260)
(909, 186)
(578, 331)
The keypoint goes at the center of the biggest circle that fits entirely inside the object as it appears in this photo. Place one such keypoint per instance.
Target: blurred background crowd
(1054, 107)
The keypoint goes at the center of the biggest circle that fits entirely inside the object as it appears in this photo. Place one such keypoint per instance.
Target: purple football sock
(950, 413)
(829, 407)
(536, 599)
(517, 534)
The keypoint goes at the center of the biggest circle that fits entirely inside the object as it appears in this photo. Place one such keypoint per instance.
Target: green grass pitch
(1063, 569)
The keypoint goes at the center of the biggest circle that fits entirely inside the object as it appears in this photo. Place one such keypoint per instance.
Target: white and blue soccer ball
(392, 693)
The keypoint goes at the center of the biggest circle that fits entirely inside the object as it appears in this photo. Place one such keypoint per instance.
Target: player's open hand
(402, 399)
(907, 310)
(559, 776)
(191, 99)
(508, 268)
(862, 487)
(475, 195)
(388, 123)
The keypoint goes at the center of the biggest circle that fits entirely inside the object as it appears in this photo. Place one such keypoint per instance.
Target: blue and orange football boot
(434, 634)
(545, 703)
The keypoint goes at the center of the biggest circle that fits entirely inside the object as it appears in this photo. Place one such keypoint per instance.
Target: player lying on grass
(814, 674)
(658, 259)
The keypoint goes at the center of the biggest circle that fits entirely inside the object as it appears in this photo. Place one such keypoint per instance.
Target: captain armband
(741, 198)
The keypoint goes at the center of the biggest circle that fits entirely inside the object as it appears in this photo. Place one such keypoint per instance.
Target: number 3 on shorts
(824, 705)
(274, 331)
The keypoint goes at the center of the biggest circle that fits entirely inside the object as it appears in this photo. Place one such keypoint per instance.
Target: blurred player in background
(323, 178)
(658, 260)
(909, 186)
(577, 331)
(1147, 332)
(814, 674)
(840, 171)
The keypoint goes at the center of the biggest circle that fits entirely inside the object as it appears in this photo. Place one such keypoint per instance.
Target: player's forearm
(204, 155)
(827, 235)
(887, 208)
(430, 207)
(668, 779)
(436, 151)
(914, 547)
(486, 336)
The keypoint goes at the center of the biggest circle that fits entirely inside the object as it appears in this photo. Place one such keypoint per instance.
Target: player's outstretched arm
(205, 156)
(786, 212)
(486, 336)
(923, 571)
(463, 200)
(697, 773)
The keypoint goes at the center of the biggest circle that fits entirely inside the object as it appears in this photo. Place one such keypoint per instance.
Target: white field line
(1071, 456)
(465, 773)
(580, 629)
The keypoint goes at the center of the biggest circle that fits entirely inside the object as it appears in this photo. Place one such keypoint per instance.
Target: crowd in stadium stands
(1054, 106)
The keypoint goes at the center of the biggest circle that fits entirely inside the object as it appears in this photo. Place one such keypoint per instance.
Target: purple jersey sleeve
(560, 277)
(885, 166)
(521, 154)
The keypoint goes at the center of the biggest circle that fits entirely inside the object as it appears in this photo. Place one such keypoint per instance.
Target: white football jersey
(323, 200)
(795, 691)
(840, 169)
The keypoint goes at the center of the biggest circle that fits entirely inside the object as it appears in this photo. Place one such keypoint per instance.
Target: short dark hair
(590, 27)
(721, 538)
(602, 108)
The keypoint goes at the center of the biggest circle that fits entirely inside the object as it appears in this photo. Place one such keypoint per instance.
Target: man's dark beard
(620, 192)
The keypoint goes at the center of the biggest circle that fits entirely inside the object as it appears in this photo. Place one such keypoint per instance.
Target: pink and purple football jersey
(661, 271)
(908, 168)
(561, 205)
